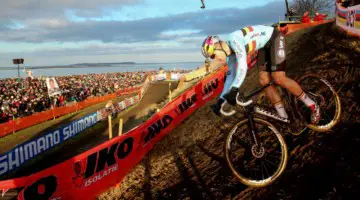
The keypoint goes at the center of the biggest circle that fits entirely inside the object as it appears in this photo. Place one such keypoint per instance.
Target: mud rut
(189, 163)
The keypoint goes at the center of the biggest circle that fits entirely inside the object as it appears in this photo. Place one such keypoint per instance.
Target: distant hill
(102, 64)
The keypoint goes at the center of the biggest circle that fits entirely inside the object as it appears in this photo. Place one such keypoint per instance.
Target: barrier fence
(37, 118)
(94, 171)
(30, 149)
(348, 19)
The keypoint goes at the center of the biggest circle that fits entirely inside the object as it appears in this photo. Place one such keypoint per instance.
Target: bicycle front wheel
(321, 91)
(256, 165)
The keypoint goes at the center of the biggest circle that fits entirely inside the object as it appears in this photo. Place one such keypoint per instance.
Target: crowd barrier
(292, 28)
(89, 174)
(37, 118)
(30, 149)
(348, 19)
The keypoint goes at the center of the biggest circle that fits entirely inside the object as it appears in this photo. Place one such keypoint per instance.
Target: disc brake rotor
(257, 152)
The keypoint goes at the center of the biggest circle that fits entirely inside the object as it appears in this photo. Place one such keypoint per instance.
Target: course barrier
(348, 19)
(17, 156)
(292, 28)
(14, 158)
(37, 118)
(89, 174)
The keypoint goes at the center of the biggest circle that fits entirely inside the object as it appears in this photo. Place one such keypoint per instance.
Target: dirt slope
(189, 163)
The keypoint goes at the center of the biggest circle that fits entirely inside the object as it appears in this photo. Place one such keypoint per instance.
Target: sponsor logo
(209, 87)
(42, 189)
(255, 35)
(97, 161)
(281, 53)
(24, 152)
(101, 175)
(281, 44)
(263, 33)
(238, 49)
(188, 103)
(155, 128)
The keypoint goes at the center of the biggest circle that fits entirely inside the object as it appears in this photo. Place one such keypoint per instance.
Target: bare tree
(313, 6)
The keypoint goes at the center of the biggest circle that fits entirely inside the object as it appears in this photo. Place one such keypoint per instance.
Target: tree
(312, 6)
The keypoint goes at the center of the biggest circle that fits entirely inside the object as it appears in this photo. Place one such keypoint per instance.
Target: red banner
(89, 174)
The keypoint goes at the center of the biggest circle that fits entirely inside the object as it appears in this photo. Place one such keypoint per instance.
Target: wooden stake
(120, 126)
(170, 91)
(110, 127)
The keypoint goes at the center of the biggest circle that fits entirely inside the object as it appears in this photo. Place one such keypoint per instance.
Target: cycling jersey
(243, 42)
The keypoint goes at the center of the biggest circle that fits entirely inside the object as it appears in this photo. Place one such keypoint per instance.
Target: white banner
(347, 20)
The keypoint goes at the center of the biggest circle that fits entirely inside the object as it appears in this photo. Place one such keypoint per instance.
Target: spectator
(305, 18)
(319, 17)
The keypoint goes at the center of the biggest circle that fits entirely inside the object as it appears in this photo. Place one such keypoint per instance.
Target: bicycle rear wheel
(256, 165)
(321, 91)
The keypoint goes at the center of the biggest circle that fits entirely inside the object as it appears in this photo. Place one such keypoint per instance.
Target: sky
(61, 32)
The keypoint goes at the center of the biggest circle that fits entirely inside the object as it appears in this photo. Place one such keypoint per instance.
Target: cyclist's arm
(241, 58)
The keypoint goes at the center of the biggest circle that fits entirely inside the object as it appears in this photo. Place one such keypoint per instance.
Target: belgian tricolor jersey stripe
(250, 47)
(247, 30)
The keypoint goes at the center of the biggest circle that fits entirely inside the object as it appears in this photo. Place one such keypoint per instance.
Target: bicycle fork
(251, 123)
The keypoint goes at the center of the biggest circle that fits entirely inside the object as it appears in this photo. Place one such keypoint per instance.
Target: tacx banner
(348, 18)
(91, 173)
(26, 151)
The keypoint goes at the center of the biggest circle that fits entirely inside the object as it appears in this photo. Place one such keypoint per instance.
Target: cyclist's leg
(270, 92)
(278, 64)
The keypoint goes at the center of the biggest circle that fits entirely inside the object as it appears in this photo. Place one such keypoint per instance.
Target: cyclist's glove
(231, 96)
(217, 106)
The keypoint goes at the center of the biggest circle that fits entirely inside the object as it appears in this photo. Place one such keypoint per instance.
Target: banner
(160, 77)
(91, 173)
(348, 18)
(37, 118)
(26, 151)
(52, 86)
(117, 107)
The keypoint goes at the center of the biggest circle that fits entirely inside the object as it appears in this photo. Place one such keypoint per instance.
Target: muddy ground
(189, 163)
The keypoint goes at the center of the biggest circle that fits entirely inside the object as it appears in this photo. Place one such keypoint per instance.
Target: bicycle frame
(255, 108)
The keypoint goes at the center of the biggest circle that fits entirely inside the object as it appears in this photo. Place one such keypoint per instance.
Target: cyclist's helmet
(208, 46)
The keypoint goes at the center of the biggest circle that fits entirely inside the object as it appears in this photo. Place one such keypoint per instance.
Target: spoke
(262, 171)
(270, 162)
(267, 172)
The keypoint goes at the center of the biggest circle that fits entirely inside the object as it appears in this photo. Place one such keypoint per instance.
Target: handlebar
(243, 103)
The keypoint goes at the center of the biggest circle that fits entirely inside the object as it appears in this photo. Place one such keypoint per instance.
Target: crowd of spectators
(21, 97)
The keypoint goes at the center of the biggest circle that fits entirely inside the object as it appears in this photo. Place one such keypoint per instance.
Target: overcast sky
(57, 32)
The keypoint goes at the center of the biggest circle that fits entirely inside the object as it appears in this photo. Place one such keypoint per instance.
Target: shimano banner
(24, 152)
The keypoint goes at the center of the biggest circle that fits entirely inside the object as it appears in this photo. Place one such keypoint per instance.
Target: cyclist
(270, 44)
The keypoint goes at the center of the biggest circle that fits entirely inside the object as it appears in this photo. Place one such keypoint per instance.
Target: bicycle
(256, 155)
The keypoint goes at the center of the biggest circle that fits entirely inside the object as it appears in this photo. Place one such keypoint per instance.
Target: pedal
(270, 114)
